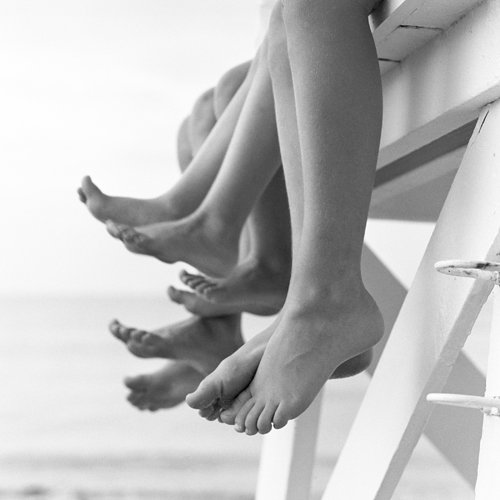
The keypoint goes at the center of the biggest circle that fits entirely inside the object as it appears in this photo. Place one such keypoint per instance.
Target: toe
(115, 229)
(281, 417)
(133, 237)
(265, 420)
(206, 395)
(194, 282)
(210, 413)
(137, 399)
(186, 277)
(139, 336)
(252, 417)
(228, 416)
(175, 294)
(204, 288)
(81, 195)
(138, 383)
(121, 332)
(89, 188)
(239, 421)
(192, 302)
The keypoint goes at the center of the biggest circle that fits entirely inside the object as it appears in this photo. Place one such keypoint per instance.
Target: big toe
(187, 299)
(207, 394)
(82, 195)
(121, 332)
(89, 188)
(138, 383)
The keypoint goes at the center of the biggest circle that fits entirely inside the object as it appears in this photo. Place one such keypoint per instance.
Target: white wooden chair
(439, 160)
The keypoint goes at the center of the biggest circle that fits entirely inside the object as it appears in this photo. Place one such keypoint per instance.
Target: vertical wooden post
(488, 480)
(287, 458)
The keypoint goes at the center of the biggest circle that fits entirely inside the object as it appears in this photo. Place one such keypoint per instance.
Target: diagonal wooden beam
(436, 317)
(465, 378)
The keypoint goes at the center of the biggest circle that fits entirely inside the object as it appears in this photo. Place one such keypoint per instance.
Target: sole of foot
(184, 240)
(201, 342)
(252, 286)
(132, 211)
(164, 388)
(199, 306)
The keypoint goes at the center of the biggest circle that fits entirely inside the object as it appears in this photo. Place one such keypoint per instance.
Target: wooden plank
(433, 324)
(415, 186)
(443, 86)
(402, 26)
(488, 481)
(461, 453)
(287, 458)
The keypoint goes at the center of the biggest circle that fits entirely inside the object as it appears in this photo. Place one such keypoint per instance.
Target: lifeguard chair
(439, 161)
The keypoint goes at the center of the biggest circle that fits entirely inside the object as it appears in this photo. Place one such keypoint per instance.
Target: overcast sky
(98, 87)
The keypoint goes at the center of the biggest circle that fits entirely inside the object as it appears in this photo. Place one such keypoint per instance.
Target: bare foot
(224, 389)
(220, 388)
(201, 342)
(253, 286)
(193, 240)
(199, 306)
(164, 388)
(302, 353)
(136, 212)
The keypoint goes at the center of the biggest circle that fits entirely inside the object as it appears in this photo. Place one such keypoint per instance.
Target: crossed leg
(208, 238)
(328, 316)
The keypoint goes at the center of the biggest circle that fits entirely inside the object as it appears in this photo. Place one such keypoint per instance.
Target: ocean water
(67, 432)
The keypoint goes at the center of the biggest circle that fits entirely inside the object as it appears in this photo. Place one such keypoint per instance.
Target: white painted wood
(434, 322)
(401, 27)
(488, 481)
(287, 458)
(461, 453)
(443, 85)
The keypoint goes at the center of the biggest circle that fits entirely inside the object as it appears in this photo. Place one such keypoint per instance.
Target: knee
(228, 85)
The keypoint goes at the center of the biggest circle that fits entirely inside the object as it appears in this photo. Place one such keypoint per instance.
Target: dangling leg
(207, 147)
(329, 316)
(208, 238)
(223, 383)
(259, 283)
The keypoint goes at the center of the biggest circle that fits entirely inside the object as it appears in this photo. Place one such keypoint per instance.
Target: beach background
(99, 87)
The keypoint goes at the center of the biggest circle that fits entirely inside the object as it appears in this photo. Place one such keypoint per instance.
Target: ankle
(317, 296)
(274, 266)
(218, 228)
(176, 209)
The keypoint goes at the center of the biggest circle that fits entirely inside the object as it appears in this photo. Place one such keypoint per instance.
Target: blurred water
(66, 430)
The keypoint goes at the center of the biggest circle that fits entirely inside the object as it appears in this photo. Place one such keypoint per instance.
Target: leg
(258, 284)
(227, 87)
(202, 120)
(218, 382)
(329, 316)
(190, 190)
(208, 238)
